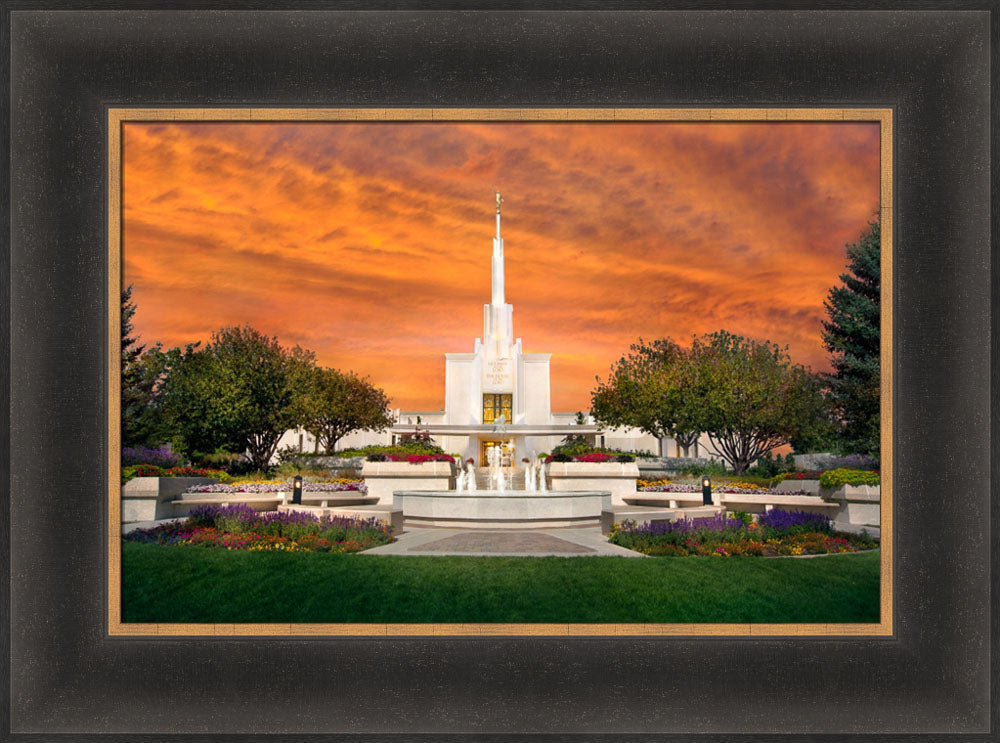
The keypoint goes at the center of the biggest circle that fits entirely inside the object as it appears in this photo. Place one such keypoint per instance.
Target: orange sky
(370, 243)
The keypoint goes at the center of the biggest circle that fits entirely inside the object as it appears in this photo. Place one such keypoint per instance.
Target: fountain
(500, 506)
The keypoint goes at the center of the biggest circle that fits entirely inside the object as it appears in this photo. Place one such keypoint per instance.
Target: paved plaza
(563, 542)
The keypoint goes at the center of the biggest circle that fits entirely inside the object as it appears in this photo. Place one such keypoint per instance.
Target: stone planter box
(382, 478)
(860, 505)
(810, 486)
(150, 498)
(616, 477)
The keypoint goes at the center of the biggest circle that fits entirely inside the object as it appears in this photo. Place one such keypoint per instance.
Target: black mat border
(66, 676)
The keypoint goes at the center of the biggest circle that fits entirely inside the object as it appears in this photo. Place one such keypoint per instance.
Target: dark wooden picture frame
(118, 118)
(67, 674)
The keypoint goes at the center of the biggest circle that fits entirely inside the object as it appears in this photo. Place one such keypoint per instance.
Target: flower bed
(741, 488)
(853, 462)
(411, 458)
(282, 487)
(594, 456)
(838, 477)
(801, 475)
(640, 483)
(775, 532)
(133, 455)
(239, 527)
(150, 470)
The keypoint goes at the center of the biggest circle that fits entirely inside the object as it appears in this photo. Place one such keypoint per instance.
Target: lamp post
(706, 491)
(297, 490)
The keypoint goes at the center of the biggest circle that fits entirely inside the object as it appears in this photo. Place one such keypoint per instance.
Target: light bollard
(706, 491)
(297, 490)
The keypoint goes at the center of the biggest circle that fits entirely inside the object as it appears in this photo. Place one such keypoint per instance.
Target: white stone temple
(497, 396)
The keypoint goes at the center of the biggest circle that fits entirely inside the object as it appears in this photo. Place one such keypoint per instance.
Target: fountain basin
(490, 509)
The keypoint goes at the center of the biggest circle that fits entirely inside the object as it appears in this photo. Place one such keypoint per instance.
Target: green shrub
(577, 445)
(232, 464)
(770, 466)
(231, 525)
(573, 446)
(149, 470)
(742, 516)
(712, 469)
(838, 477)
(418, 442)
(289, 470)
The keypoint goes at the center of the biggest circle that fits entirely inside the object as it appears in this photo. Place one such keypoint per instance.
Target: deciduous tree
(241, 393)
(749, 397)
(648, 389)
(340, 403)
(746, 395)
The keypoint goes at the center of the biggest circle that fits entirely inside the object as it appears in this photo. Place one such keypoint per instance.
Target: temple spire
(498, 267)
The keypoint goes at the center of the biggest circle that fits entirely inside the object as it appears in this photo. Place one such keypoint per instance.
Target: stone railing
(382, 478)
(616, 477)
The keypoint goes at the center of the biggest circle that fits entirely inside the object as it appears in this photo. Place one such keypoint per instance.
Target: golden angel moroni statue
(499, 198)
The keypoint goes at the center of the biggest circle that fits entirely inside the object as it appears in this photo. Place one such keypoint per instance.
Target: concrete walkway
(575, 542)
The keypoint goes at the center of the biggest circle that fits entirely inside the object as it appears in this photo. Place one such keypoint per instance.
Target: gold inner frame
(118, 116)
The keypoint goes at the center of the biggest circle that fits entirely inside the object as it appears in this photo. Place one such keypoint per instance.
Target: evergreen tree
(853, 337)
(136, 387)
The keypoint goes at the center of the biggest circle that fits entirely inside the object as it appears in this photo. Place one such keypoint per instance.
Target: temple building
(497, 396)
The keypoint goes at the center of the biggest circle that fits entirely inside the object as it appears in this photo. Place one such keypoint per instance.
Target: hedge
(838, 477)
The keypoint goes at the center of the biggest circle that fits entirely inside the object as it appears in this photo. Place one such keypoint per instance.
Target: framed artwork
(237, 215)
(79, 79)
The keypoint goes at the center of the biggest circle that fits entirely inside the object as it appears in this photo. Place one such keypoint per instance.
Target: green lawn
(187, 584)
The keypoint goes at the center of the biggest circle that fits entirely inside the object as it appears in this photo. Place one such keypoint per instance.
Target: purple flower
(785, 521)
(281, 487)
(854, 462)
(717, 523)
(674, 487)
(210, 515)
(132, 455)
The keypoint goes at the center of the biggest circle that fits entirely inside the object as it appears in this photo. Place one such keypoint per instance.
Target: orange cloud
(369, 243)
